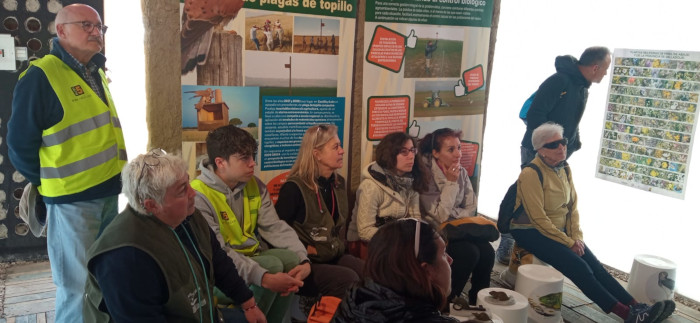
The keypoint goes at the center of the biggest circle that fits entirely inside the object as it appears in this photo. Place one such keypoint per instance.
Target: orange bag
(324, 310)
(475, 228)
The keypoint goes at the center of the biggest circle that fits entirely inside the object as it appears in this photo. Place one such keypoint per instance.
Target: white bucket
(652, 279)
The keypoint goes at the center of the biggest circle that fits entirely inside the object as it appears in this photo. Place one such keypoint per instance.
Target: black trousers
(470, 258)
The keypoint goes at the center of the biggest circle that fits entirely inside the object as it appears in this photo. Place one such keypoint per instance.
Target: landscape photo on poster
(205, 108)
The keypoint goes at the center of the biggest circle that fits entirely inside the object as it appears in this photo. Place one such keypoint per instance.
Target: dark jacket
(375, 303)
(561, 98)
(139, 271)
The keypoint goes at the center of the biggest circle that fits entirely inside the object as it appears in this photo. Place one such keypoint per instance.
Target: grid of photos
(650, 120)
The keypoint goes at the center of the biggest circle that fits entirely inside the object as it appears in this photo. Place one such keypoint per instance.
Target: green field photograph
(438, 53)
(437, 98)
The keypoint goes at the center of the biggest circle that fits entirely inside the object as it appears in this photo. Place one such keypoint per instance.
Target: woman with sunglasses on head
(408, 277)
(314, 202)
(450, 196)
(389, 189)
(550, 230)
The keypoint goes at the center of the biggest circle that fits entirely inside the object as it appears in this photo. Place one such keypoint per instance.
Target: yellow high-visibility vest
(241, 239)
(87, 146)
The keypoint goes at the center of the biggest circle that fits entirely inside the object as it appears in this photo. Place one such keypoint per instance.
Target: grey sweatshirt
(275, 231)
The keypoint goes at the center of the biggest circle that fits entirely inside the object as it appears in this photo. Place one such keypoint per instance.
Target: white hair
(545, 131)
(149, 175)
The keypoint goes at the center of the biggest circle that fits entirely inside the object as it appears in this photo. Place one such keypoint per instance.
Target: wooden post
(161, 23)
(224, 65)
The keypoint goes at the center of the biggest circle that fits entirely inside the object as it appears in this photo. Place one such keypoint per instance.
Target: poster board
(650, 120)
(424, 69)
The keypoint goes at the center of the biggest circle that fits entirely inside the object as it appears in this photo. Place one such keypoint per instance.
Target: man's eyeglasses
(150, 160)
(88, 27)
(555, 144)
(406, 151)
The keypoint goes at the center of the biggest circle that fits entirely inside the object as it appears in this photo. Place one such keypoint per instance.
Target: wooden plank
(572, 316)
(25, 268)
(50, 317)
(31, 307)
(28, 276)
(42, 280)
(41, 318)
(20, 290)
(30, 297)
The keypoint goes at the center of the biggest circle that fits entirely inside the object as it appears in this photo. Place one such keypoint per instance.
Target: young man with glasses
(238, 208)
(65, 137)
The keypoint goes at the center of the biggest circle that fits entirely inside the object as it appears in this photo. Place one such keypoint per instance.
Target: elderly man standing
(64, 136)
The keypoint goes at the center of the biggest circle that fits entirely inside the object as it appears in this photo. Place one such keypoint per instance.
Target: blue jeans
(71, 230)
(505, 247)
(585, 271)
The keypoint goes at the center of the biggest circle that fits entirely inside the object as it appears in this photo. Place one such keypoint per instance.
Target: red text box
(473, 78)
(386, 115)
(470, 152)
(387, 49)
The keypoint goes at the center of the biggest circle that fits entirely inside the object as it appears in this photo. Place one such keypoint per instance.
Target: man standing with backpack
(561, 99)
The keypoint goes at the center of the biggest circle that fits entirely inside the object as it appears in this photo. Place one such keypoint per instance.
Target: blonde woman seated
(389, 189)
(314, 202)
(450, 196)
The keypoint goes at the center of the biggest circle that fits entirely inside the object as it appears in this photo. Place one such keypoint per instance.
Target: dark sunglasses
(555, 144)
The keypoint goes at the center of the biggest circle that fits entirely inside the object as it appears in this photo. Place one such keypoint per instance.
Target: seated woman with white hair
(158, 260)
(550, 230)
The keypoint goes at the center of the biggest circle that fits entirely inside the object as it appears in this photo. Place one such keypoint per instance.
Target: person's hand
(311, 250)
(301, 271)
(283, 283)
(252, 313)
(452, 172)
(578, 248)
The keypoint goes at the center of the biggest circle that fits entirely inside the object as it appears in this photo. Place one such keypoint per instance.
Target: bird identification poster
(424, 69)
(271, 67)
(649, 126)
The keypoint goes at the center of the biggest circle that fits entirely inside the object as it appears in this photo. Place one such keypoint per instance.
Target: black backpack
(506, 212)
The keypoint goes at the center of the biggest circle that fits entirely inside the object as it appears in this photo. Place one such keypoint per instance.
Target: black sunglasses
(555, 144)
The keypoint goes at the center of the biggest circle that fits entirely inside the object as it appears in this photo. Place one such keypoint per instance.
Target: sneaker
(643, 313)
(669, 307)
(505, 247)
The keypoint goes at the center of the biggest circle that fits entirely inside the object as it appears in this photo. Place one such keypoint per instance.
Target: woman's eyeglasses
(416, 239)
(320, 127)
(406, 151)
(555, 144)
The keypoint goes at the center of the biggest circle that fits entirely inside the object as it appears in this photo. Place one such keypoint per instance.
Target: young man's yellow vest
(241, 239)
(86, 147)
